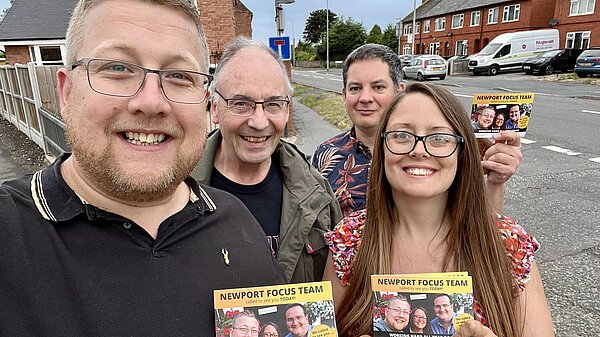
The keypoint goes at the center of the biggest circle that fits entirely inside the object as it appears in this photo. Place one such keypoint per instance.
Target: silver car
(425, 66)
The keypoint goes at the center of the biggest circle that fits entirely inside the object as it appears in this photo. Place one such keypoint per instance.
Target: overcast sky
(370, 12)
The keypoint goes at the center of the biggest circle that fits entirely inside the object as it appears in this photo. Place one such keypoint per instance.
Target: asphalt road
(556, 191)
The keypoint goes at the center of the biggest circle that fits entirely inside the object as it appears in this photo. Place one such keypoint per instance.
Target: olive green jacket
(309, 210)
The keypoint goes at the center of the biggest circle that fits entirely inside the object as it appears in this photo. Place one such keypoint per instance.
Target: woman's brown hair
(473, 240)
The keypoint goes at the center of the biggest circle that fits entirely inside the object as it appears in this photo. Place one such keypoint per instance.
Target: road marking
(319, 77)
(591, 112)
(459, 95)
(561, 150)
(335, 79)
(596, 160)
(527, 141)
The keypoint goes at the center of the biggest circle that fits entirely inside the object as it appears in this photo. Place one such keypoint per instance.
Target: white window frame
(462, 47)
(35, 54)
(576, 7)
(511, 10)
(434, 48)
(417, 27)
(440, 24)
(406, 49)
(493, 13)
(407, 30)
(584, 41)
(458, 20)
(426, 26)
(477, 15)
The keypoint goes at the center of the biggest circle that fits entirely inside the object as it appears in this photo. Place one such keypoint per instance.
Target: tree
(316, 25)
(390, 38)
(344, 36)
(375, 35)
(5, 10)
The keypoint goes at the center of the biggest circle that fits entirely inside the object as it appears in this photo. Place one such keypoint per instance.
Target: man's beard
(101, 168)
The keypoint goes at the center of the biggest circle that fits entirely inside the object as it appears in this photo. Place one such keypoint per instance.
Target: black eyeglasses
(124, 79)
(436, 144)
(245, 107)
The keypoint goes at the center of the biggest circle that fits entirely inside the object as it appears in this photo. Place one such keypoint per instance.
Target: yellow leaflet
(283, 294)
(503, 98)
(424, 283)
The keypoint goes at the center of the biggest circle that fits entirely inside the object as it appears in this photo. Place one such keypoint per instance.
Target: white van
(509, 51)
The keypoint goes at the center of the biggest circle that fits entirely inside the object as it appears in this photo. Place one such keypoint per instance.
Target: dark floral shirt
(344, 161)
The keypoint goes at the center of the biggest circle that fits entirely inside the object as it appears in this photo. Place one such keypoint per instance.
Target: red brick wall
(17, 54)
(243, 21)
(223, 20)
(218, 21)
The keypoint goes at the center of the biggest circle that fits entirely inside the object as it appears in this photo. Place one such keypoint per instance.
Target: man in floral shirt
(372, 76)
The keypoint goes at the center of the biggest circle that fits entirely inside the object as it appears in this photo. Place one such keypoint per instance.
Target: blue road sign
(281, 45)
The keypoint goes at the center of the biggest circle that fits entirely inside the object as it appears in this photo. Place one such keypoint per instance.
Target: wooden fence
(29, 100)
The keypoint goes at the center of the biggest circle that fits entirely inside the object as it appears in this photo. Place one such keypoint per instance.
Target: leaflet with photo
(435, 304)
(300, 309)
(492, 113)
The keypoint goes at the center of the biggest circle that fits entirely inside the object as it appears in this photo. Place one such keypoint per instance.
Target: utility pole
(327, 34)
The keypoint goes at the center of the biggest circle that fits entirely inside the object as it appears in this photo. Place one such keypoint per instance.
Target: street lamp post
(414, 27)
(327, 36)
(293, 42)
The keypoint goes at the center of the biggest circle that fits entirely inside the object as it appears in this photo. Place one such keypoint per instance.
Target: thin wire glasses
(436, 144)
(271, 334)
(124, 79)
(245, 107)
(245, 330)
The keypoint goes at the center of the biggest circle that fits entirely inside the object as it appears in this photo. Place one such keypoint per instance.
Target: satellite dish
(553, 22)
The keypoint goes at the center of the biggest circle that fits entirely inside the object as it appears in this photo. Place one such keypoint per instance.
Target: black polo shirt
(70, 269)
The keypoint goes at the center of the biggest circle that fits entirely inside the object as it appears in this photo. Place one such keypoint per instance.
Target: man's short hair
(245, 313)
(443, 294)
(76, 31)
(372, 51)
(234, 47)
(295, 305)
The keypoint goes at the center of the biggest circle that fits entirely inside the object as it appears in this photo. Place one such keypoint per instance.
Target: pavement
(311, 128)
(9, 168)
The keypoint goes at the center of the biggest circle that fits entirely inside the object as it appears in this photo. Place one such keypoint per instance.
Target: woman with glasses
(427, 212)
(419, 322)
(270, 329)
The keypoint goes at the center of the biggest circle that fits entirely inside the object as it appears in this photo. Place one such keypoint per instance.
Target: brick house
(464, 27)
(577, 22)
(30, 32)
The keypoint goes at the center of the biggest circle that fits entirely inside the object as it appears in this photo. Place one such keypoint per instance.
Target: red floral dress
(344, 242)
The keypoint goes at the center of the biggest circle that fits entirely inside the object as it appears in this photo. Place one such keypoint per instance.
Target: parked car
(551, 61)
(425, 66)
(405, 59)
(588, 63)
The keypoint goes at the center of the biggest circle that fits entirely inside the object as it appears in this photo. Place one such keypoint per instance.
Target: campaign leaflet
(492, 113)
(302, 308)
(424, 305)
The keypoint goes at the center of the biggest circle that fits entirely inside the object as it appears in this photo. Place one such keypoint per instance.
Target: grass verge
(573, 78)
(330, 106)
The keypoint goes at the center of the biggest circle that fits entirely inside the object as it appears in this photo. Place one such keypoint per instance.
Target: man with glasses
(372, 75)
(116, 239)
(396, 316)
(245, 324)
(484, 119)
(296, 321)
(247, 158)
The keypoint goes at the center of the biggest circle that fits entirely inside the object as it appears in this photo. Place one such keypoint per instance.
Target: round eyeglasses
(436, 144)
(124, 79)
